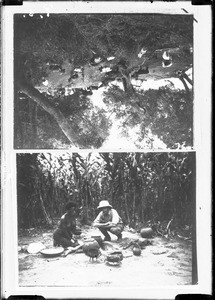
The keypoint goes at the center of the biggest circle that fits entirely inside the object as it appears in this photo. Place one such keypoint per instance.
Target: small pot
(143, 242)
(115, 257)
(146, 232)
(90, 244)
(136, 250)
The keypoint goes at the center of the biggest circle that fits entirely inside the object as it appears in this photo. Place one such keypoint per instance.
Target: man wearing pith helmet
(108, 220)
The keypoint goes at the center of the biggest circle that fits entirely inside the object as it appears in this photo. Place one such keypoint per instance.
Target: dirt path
(164, 262)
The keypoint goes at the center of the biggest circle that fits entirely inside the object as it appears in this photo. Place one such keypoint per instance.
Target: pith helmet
(104, 203)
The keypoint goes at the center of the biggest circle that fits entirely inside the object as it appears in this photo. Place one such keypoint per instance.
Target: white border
(202, 121)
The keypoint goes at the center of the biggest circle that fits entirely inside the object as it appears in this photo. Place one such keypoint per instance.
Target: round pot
(136, 250)
(90, 244)
(146, 232)
(143, 242)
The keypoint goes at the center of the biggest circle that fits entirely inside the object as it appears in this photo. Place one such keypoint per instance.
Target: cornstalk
(126, 209)
(47, 218)
(134, 200)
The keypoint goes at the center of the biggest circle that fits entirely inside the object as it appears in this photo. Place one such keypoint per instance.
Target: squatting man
(108, 220)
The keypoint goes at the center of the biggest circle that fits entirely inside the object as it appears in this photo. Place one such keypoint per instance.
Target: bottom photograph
(106, 219)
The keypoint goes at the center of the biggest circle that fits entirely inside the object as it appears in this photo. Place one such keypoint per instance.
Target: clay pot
(136, 250)
(146, 232)
(115, 257)
(90, 244)
(142, 242)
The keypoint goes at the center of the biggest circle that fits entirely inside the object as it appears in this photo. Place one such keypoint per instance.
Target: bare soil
(164, 262)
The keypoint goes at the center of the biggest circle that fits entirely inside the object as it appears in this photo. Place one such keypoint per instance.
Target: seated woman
(63, 235)
(108, 220)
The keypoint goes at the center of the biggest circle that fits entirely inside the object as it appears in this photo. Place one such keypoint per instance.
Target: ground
(164, 262)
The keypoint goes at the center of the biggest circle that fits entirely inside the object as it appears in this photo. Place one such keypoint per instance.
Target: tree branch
(43, 102)
(185, 76)
(184, 83)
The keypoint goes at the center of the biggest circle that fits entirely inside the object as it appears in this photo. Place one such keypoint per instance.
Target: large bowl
(146, 232)
(52, 252)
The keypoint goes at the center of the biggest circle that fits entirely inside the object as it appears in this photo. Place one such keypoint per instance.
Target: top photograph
(103, 81)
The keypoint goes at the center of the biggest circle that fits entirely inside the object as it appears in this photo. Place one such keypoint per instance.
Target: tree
(41, 100)
(166, 113)
(44, 48)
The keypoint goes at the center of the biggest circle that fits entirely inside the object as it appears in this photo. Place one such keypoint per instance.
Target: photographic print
(106, 150)
(106, 219)
(103, 81)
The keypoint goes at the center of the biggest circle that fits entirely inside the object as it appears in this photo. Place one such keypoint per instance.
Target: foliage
(45, 39)
(35, 128)
(168, 113)
(141, 186)
(60, 37)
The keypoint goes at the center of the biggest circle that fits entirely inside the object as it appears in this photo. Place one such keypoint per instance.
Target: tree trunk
(184, 83)
(18, 129)
(33, 121)
(128, 87)
(43, 102)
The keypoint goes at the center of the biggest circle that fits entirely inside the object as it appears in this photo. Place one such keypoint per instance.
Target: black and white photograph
(106, 219)
(103, 81)
(106, 136)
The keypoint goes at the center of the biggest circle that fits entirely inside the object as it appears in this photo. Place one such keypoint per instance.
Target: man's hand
(109, 224)
(104, 225)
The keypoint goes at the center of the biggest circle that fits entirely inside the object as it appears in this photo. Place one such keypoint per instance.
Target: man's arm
(97, 222)
(101, 225)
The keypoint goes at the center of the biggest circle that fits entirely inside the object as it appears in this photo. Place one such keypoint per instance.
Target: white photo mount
(202, 147)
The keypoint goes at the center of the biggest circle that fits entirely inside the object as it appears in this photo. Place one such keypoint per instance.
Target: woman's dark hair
(70, 205)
